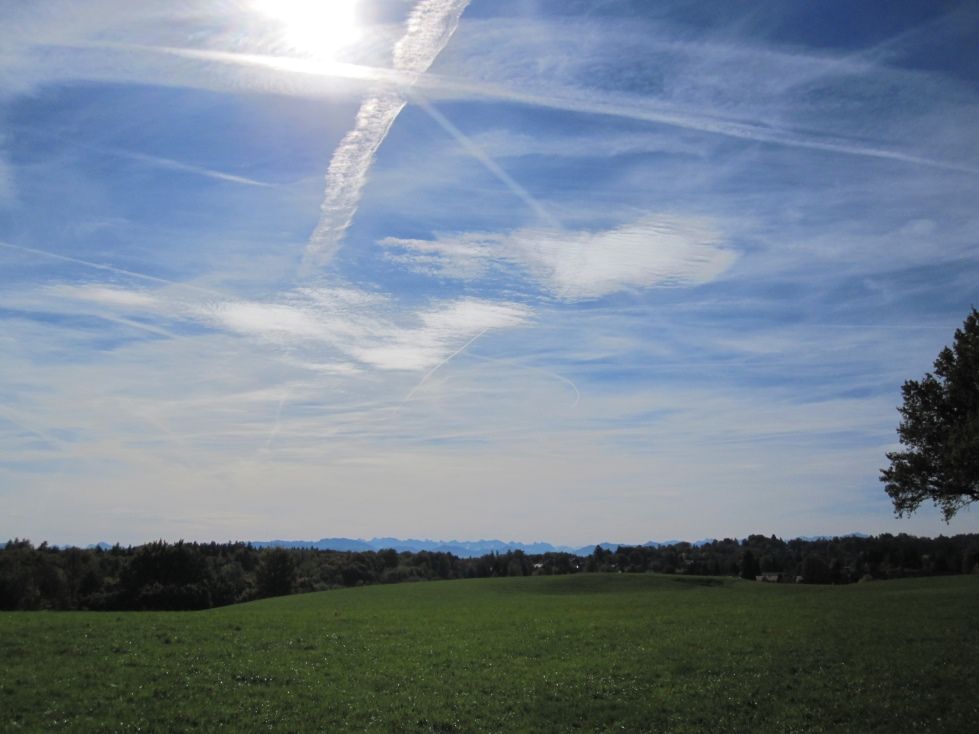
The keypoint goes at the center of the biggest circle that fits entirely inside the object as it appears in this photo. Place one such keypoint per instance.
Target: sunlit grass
(582, 653)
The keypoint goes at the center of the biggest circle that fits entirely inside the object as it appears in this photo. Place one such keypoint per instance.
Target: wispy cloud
(630, 107)
(359, 326)
(732, 86)
(558, 96)
(750, 92)
(572, 265)
(416, 343)
(32, 251)
(106, 295)
(429, 28)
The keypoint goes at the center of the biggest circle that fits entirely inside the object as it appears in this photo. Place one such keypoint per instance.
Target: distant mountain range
(459, 548)
(470, 548)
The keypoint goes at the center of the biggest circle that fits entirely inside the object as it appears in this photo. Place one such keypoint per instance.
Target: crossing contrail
(624, 107)
(488, 163)
(429, 28)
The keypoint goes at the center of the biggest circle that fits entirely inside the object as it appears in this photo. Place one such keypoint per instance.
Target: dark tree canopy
(276, 574)
(940, 428)
(749, 566)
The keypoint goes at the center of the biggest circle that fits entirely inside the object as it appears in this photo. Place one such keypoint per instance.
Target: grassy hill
(566, 653)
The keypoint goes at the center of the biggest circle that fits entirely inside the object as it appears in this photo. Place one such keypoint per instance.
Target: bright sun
(317, 28)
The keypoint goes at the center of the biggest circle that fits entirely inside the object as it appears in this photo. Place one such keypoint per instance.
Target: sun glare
(316, 28)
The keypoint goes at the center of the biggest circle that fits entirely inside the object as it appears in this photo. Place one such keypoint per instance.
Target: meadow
(590, 652)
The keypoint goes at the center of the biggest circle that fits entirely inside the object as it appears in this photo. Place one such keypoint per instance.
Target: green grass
(573, 653)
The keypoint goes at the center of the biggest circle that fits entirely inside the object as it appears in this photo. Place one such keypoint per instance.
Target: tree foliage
(198, 575)
(940, 428)
(749, 565)
(276, 573)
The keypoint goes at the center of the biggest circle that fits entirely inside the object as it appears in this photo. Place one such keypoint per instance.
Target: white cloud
(654, 251)
(318, 323)
(658, 250)
(266, 320)
(373, 338)
(466, 256)
(442, 330)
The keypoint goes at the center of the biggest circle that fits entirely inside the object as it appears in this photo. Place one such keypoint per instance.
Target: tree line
(187, 576)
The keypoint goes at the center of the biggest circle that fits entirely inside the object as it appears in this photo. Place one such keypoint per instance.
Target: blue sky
(572, 271)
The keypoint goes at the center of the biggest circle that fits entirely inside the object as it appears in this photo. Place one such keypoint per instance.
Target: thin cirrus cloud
(727, 99)
(731, 87)
(356, 325)
(655, 251)
(419, 342)
(379, 112)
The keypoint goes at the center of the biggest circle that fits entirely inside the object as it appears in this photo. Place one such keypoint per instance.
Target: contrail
(519, 191)
(645, 112)
(429, 28)
(136, 325)
(347, 175)
(480, 155)
(532, 368)
(570, 100)
(436, 368)
(87, 263)
(152, 160)
(173, 165)
(109, 268)
(464, 347)
(277, 426)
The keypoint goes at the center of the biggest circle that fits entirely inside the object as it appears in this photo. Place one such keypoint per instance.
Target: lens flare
(317, 28)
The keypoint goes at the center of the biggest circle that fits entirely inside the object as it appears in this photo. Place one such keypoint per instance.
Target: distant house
(772, 577)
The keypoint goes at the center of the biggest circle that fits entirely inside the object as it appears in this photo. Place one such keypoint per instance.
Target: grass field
(564, 653)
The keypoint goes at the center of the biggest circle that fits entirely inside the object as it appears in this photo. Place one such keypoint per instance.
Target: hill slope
(587, 652)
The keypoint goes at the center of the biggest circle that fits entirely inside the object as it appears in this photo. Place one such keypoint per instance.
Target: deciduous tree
(276, 573)
(940, 428)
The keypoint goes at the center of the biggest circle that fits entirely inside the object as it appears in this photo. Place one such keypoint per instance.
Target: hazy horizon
(383, 542)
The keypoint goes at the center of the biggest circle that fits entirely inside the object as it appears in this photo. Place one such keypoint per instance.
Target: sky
(560, 270)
